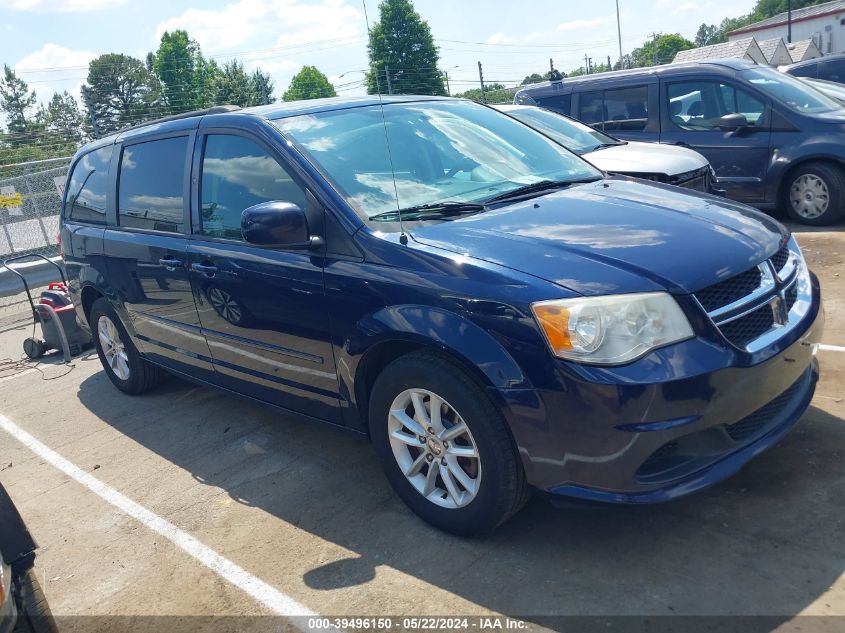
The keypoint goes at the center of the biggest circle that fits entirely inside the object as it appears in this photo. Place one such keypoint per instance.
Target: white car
(669, 164)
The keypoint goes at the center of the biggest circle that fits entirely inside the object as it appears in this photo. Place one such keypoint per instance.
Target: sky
(50, 42)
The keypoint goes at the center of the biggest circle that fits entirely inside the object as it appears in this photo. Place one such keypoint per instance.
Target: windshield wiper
(537, 187)
(430, 211)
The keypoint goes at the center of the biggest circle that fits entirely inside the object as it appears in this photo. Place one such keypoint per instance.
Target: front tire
(815, 194)
(122, 362)
(35, 615)
(444, 446)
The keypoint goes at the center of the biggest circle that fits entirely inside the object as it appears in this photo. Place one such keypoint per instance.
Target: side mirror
(733, 122)
(278, 224)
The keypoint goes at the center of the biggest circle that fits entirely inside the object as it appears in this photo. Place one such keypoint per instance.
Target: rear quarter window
(558, 103)
(151, 185)
(88, 187)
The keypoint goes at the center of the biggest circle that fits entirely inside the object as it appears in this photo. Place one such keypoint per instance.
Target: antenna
(402, 237)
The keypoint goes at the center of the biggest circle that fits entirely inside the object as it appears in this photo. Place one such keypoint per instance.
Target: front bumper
(668, 426)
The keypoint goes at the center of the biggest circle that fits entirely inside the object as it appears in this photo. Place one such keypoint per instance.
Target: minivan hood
(642, 158)
(616, 236)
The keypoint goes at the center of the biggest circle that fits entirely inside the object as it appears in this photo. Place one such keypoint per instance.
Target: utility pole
(448, 88)
(789, 21)
(387, 76)
(551, 67)
(86, 99)
(481, 80)
(619, 34)
(586, 64)
(609, 67)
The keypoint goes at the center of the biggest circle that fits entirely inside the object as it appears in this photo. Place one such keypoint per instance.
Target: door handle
(169, 263)
(205, 269)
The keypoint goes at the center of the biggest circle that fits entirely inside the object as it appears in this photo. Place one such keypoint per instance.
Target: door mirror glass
(733, 122)
(276, 223)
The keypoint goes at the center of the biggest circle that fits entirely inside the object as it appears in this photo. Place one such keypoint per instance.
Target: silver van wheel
(114, 350)
(434, 448)
(809, 196)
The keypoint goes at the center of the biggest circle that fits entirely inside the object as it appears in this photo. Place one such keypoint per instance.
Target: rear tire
(34, 612)
(815, 194)
(122, 362)
(466, 483)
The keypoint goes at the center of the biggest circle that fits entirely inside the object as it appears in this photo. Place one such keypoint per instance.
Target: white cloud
(217, 29)
(53, 68)
(327, 20)
(60, 6)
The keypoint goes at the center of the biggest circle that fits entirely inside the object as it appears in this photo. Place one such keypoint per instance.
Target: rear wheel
(124, 366)
(444, 446)
(815, 194)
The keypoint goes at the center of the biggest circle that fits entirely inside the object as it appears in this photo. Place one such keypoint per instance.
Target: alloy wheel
(434, 448)
(113, 347)
(225, 305)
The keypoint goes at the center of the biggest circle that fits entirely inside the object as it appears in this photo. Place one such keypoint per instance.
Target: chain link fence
(30, 202)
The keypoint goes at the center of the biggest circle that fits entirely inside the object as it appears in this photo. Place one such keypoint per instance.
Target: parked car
(772, 139)
(828, 67)
(832, 89)
(669, 164)
(23, 606)
(480, 302)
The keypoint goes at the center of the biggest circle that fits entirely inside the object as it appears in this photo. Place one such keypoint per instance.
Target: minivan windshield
(795, 93)
(573, 135)
(452, 152)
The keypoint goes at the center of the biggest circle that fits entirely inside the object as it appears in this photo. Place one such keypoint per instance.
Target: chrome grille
(697, 179)
(733, 289)
(751, 307)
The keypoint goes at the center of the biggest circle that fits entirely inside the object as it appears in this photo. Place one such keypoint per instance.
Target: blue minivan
(773, 140)
(491, 311)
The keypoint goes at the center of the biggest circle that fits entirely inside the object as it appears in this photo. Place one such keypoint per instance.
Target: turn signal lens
(613, 329)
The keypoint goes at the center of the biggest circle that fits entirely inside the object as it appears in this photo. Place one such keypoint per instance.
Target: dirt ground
(307, 511)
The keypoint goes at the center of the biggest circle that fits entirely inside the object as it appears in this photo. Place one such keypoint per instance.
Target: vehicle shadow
(769, 541)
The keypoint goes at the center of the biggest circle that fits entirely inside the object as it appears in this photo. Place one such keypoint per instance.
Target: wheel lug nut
(431, 430)
(422, 438)
(429, 457)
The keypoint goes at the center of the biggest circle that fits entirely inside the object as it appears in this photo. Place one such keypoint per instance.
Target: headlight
(611, 330)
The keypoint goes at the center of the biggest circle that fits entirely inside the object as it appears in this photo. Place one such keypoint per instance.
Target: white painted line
(832, 348)
(270, 597)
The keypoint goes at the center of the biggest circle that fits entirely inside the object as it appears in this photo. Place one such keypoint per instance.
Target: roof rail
(218, 109)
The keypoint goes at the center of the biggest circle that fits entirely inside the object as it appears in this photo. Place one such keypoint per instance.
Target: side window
(698, 106)
(86, 198)
(591, 109)
(810, 70)
(150, 187)
(618, 109)
(626, 109)
(558, 103)
(237, 173)
(833, 71)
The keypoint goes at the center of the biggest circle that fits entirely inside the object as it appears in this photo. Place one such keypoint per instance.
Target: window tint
(833, 71)
(236, 174)
(618, 109)
(558, 103)
(150, 191)
(86, 198)
(699, 105)
(810, 70)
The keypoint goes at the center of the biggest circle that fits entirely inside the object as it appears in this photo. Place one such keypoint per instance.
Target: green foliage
(235, 86)
(175, 64)
(708, 34)
(493, 93)
(660, 50)
(402, 46)
(16, 102)
(122, 91)
(63, 123)
(263, 86)
(309, 83)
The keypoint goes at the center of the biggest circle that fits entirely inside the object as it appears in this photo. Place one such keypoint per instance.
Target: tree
(661, 50)
(122, 91)
(207, 80)
(63, 122)
(309, 83)
(493, 93)
(263, 86)
(402, 49)
(533, 78)
(16, 102)
(235, 86)
(175, 63)
(708, 34)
